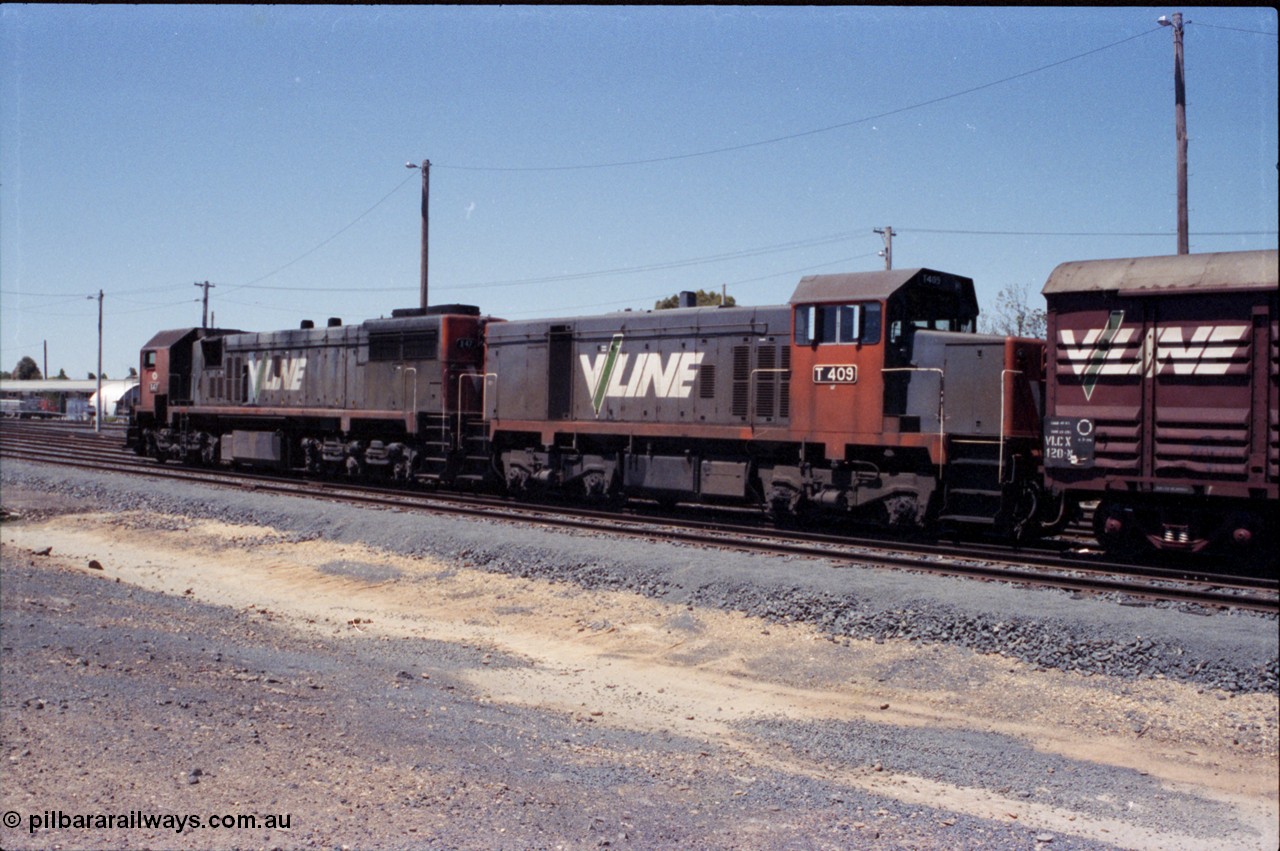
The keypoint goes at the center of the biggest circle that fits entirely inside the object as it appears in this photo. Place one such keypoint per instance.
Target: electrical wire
(804, 133)
(901, 230)
(1233, 29)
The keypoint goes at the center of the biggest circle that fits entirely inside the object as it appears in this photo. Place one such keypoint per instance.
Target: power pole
(204, 316)
(97, 414)
(426, 197)
(1180, 122)
(46, 360)
(887, 254)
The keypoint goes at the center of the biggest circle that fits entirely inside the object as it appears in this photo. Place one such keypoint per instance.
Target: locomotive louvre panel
(707, 381)
(766, 382)
(741, 381)
(771, 380)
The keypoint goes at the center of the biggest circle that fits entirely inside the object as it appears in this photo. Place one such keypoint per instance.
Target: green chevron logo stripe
(602, 383)
(1098, 356)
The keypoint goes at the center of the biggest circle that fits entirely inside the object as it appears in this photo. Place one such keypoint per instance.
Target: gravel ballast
(1228, 650)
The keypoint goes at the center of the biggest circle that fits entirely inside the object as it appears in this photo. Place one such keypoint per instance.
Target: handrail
(404, 376)
(1003, 375)
(942, 381)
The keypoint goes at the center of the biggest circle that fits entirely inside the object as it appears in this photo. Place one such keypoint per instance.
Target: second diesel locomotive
(867, 395)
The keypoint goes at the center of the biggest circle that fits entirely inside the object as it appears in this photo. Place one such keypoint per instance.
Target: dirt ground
(385, 701)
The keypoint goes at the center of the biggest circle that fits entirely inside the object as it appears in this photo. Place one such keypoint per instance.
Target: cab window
(149, 359)
(837, 323)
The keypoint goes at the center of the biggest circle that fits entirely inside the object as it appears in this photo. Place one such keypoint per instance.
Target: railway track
(1057, 564)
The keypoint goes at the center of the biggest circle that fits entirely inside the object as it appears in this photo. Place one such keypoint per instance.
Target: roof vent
(688, 299)
(307, 324)
(334, 321)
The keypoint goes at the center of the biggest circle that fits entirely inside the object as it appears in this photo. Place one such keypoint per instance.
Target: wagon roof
(1221, 272)
(866, 285)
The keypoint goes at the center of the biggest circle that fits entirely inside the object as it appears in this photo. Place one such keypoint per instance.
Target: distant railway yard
(394, 669)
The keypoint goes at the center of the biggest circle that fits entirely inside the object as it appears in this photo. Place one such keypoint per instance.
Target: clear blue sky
(589, 159)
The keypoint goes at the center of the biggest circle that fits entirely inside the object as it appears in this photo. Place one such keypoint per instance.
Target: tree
(1014, 315)
(133, 372)
(26, 370)
(62, 374)
(704, 299)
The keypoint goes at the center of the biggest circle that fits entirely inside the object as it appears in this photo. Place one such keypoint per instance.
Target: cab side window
(837, 323)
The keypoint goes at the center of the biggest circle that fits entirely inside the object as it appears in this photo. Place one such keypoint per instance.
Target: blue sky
(590, 159)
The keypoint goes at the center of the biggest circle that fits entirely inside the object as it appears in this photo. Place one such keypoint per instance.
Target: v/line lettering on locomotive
(651, 374)
(278, 373)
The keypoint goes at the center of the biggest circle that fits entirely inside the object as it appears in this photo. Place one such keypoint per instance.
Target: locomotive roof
(736, 319)
(165, 339)
(1225, 271)
(878, 285)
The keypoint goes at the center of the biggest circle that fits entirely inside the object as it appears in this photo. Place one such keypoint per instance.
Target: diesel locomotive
(868, 396)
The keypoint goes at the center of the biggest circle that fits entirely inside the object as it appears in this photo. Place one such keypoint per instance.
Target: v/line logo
(265, 375)
(1116, 350)
(616, 375)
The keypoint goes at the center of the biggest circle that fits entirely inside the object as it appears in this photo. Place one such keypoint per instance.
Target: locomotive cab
(165, 368)
(854, 337)
(914, 413)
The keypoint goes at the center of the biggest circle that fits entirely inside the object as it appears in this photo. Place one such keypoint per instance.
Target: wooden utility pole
(887, 254)
(204, 315)
(426, 197)
(1180, 122)
(97, 414)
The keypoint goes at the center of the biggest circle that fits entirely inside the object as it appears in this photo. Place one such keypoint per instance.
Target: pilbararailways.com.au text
(139, 820)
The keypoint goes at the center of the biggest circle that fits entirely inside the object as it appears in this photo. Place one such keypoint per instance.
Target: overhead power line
(340, 232)
(792, 136)
(1082, 233)
(675, 157)
(1233, 29)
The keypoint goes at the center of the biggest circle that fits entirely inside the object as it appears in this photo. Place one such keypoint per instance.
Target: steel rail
(1217, 591)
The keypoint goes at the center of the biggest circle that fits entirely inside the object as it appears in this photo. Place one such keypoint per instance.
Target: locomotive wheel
(784, 504)
(1114, 529)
